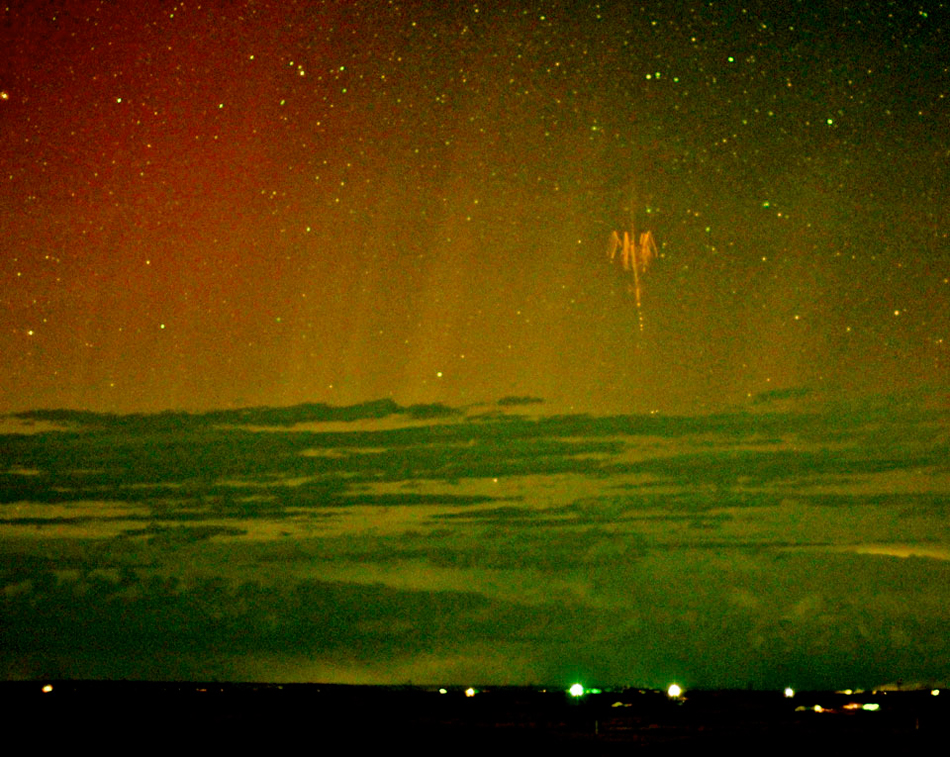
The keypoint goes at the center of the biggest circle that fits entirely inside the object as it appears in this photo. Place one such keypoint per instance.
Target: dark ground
(252, 715)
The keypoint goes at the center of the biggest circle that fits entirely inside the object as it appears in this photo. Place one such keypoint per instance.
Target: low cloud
(375, 543)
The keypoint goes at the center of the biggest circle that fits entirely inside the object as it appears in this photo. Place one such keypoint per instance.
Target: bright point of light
(443, 691)
(935, 692)
(674, 691)
(47, 689)
(4, 95)
(830, 121)
(871, 707)
(789, 692)
(576, 690)
(469, 692)
(818, 708)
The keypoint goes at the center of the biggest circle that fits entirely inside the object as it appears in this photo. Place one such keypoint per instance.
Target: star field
(227, 204)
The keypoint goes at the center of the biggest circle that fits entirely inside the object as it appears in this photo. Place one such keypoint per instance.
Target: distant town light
(47, 689)
(674, 691)
(871, 707)
(934, 692)
(469, 692)
(576, 690)
(443, 691)
(789, 692)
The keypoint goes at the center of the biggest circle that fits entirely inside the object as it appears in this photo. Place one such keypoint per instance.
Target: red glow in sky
(220, 204)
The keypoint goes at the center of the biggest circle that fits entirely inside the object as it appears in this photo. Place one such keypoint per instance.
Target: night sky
(206, 207)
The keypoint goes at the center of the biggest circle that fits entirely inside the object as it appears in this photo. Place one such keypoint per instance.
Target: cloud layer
(791, 543)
